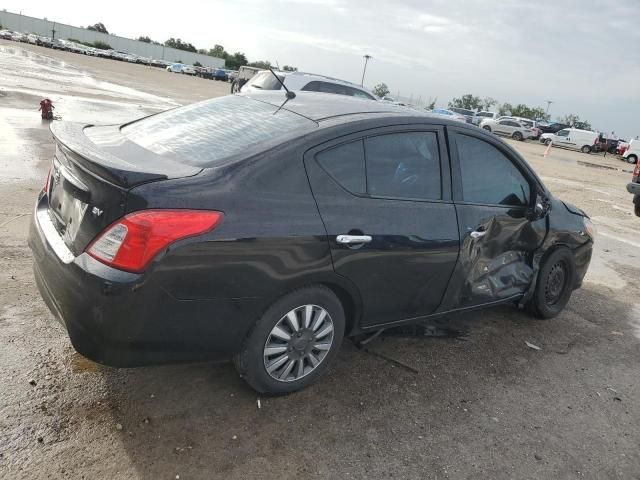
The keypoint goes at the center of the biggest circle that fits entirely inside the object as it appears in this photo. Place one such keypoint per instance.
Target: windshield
(206, 133)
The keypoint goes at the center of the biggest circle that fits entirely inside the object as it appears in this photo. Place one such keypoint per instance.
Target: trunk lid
(93, 170)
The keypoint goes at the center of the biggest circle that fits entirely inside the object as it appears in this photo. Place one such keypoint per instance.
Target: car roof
(318, 106)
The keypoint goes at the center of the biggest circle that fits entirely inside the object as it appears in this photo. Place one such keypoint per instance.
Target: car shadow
(370, 416)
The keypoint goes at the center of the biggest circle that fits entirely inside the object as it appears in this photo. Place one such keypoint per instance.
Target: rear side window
(488, 175)
(345, 163)
(396, 165)
(265, 81)
(404, 165)
(205, 134)
(327, 87)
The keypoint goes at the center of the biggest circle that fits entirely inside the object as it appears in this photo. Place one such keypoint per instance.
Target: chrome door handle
(478, 234)
(353, 239)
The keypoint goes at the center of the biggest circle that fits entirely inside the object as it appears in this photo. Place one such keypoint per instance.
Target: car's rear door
(385, 199)
(494, 192)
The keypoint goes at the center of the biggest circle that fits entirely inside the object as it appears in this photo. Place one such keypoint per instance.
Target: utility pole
(364, 70)
(53, 31)
(549, 102)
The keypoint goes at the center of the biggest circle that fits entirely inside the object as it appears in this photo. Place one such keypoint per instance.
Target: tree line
(473, 102)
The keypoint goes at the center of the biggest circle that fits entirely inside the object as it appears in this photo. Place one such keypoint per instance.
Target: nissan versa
(266, 228)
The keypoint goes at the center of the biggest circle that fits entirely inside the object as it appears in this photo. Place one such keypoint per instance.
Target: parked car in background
(233, 75)
(241, 227)
(634, 188)
(632, 153)
(6, 34)
(466, 113)
(478, 117)
(307, 82)
(572, 138)
(245, 73)
(18, 37)
(552, 127)
(443, 112)
(175, 67)
(220, 74)
(188, 70)
(509, 127)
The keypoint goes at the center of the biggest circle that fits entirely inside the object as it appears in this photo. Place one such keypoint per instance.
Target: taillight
(134, 240)
(46, 182)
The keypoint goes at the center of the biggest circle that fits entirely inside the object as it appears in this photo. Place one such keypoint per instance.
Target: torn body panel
(495, 261)
(565, 229)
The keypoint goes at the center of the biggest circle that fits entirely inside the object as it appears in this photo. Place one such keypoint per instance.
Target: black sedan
(266, 230)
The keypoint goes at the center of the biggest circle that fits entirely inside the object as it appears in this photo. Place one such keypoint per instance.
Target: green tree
(431, 104)
(144, 39)
(488, 102)
(197, 64)
(381, 90)
(468, 101)
(574, 121)
(289, 68)
(265, 64)
(235, 61)
(180, 45)
(102, 45)
(98, 27)
(218, 51)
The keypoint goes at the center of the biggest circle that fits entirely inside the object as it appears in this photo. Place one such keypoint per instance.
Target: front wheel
(517, 136)
(632, 159)
(555, 284)
(487, 128)
(586, 149)
(294, 341)
(547, 142)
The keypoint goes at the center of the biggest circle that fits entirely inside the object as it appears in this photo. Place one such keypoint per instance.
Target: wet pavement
(462, 399)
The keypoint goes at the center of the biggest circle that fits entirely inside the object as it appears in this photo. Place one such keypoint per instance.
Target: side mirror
(540, 208)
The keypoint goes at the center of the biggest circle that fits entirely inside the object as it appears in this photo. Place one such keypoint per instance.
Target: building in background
(48, 28)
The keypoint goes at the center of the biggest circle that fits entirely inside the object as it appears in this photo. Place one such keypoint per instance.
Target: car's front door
(562, 138)
(504, 127)
(385, 200)
(494, 194)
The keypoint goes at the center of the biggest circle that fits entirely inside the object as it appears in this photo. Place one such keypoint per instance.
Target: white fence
(46, 28)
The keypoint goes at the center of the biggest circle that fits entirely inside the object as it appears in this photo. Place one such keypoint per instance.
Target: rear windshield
(205, 134)
(265, 81)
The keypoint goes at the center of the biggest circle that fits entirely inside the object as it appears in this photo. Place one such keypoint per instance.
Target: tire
(632, 159)
(517, 136)
(487, 128)
(547, 141)
(636, 210)
(253, 362)
(555, 284)
(585, 149)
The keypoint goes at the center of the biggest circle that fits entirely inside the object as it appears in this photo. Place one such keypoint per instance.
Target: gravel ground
(475, 402)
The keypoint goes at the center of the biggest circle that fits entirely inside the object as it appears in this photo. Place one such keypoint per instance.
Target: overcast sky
(582, 54)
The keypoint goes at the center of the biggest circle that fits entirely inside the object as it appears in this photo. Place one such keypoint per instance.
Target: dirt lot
(475, 402)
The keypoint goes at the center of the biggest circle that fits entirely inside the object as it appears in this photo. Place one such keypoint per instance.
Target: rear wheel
(294, 341)
(487, 128)
(517, 136)
(547, 141)
(555, 284)
(585, 149)
(632, 159)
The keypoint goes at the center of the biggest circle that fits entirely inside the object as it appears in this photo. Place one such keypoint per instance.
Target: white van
(632, 154)
(572, 138)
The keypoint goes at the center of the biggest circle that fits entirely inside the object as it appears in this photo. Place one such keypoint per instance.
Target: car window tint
(205, 134)
(345, 163)
(265, 81)
(404, 165)
(354, 92)
(563, 133)
(488, 176)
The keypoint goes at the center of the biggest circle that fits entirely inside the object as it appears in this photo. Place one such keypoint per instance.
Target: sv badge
(96, 211)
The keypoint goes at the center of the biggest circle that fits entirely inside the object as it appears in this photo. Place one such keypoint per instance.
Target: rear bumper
(633, 188)
(123, 319)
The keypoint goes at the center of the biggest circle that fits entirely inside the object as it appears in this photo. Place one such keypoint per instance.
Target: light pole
(364, 70)
(549, 102)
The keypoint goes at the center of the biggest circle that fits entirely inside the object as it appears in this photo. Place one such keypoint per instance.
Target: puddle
(80, 364)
